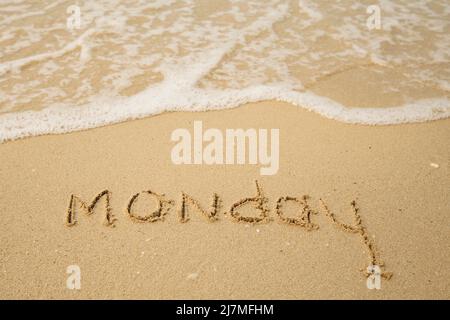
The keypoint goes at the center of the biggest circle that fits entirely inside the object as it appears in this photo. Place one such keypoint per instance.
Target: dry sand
(399, 176)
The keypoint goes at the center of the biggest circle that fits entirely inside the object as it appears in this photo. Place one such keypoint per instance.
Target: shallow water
(130, 59)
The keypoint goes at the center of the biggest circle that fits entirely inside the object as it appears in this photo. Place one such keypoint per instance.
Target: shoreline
(22, 124)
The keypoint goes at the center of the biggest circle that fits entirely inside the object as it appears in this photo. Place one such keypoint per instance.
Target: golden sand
(293, 247)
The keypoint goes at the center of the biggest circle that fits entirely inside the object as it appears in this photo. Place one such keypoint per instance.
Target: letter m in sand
(71, 218)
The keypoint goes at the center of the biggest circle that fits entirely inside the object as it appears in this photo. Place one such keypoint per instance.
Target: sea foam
(140, 59)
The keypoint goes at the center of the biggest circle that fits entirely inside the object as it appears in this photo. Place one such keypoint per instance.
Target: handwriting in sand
(259, 202)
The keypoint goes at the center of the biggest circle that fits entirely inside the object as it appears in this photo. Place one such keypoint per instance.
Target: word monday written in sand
(259, 203)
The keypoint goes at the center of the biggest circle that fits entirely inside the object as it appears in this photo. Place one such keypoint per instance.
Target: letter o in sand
(158, 214)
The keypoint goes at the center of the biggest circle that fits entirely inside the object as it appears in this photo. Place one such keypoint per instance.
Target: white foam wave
(20, 63)
(200, 56)
(171, 97)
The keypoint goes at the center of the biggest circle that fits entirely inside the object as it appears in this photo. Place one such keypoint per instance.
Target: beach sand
(399, 176)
